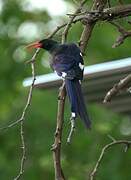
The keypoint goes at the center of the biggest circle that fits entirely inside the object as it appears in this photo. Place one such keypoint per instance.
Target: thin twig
(123, 35)
(63, 25)
(104, 149)
(111, 137)
(75, 2)
(29, 97)
(123, 83)
(77, 14)
(23, 147)
(71, 130)
(22, 119)
(78, 10)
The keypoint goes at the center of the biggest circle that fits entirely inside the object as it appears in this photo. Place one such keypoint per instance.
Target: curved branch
(123, 35)
(58, 28)
(22, 118)
(123, 83)
(104, 149)
(29, 97)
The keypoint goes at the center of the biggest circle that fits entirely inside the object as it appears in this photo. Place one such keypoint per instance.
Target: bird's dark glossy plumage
(68, 63)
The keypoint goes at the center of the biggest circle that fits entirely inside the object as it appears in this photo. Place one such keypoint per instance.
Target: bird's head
(47, 44)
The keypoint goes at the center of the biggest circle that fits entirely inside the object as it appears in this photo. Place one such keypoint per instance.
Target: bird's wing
(67, 66)
(63, 62)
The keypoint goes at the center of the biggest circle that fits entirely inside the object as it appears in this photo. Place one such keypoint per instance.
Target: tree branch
(123, 35)
(105, 14)
(71, 130)
(29, 97)
(117, 12)
(108, 14)
(104, 149)
(89, 24)
(23, 147)
(22, 118)
(97, 13)
(124, 83)
(58, 28)
(56, 147)
(78, 10)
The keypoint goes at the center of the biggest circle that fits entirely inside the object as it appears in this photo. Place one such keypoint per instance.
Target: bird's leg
(72, 119)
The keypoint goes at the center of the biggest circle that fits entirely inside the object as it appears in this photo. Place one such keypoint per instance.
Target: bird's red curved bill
(34, 45)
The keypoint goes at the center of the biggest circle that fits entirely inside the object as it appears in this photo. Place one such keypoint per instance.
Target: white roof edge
(96, 68)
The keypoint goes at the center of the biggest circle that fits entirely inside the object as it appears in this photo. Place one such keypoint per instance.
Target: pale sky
(1, 4)
(54, 7)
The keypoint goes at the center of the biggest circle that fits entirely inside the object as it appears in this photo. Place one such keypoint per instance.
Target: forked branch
(123, 84)
(123, 34)
(21, 120)
(104, 149)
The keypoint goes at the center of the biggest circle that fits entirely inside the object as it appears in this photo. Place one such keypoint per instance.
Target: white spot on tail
(73, 114)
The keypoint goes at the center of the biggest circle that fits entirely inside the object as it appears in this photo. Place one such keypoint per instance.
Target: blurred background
(22, 22)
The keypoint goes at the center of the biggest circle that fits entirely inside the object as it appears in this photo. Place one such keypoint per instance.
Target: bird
(67, 61)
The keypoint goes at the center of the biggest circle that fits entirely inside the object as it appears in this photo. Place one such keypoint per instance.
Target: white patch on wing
(81, 66)
(80, 54)
(64, 74)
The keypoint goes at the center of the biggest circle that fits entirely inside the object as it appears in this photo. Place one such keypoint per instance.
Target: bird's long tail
(76, 98)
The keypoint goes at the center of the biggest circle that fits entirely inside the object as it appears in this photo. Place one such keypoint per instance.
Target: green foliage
(79, 158)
